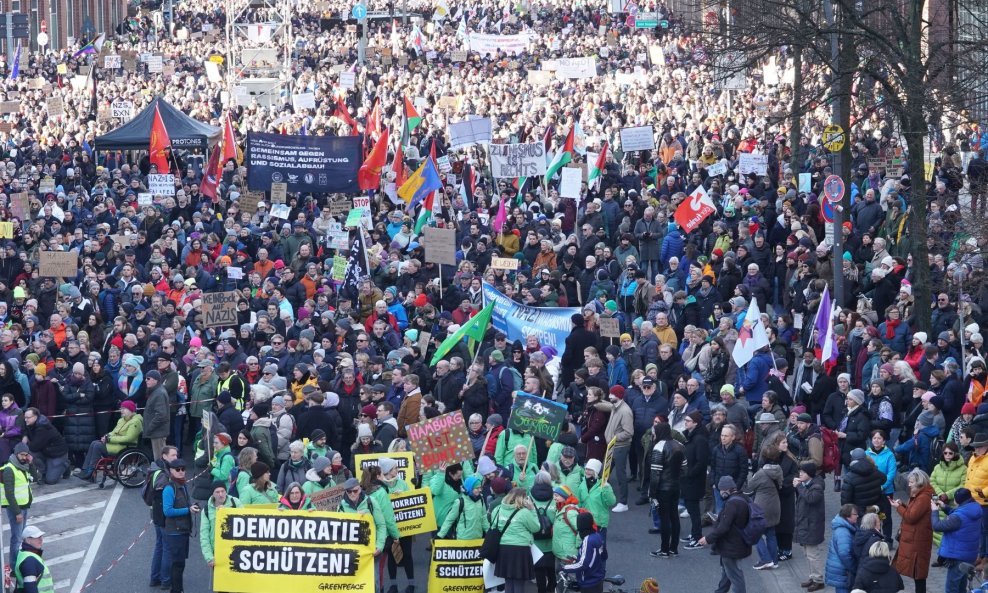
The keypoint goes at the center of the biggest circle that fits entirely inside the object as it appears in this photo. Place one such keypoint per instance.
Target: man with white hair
(649, 233)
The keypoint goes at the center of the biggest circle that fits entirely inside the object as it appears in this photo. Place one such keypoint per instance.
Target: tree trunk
(796, 128)
(914, 129)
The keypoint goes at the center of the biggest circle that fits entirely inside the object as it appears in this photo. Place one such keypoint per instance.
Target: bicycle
(568, 582)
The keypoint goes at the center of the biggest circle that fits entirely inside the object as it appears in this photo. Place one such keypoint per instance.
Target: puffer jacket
(948, 476)
(292, 471)
(80, 424)
(841, 563)
(961, 531)
(810, 513)
(764, 487)
(468, 517)
(862, 485)
(875, 575)
(885, 462)
(127, 433)
(693, 484)
(729, 461)
(667, 462)
(8, 422)
(918, 447)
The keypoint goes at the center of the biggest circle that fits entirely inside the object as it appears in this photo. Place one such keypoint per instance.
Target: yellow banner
(260, 550)
(456, 566)
(414, 513)
(406, 463)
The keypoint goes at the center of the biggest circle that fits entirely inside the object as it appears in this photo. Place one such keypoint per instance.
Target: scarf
(130, 384)
(890, 326)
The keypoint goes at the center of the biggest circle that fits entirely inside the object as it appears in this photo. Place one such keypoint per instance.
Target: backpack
(451, 534)
(148, 493)
(831, 450)
(273, 435)
(492, 540)
(545, 524)
(756, 526)
(234, 473)
(516, 378)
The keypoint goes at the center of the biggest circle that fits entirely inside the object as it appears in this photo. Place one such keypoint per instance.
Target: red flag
(374, 121)
(343, 113)
(229, 142)
(398, 166)
(694, 210)
(160, 143)
(369, 175)
(211, 179)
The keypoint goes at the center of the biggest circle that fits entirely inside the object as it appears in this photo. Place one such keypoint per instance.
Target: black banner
(316, 164)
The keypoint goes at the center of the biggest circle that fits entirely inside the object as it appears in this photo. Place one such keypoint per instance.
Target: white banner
(162, 184)
(639, 138)
(571, 179)
(491, 44)
(304, 101)
(509, 161)
(469, 132)
(576, 68)
(753, 163)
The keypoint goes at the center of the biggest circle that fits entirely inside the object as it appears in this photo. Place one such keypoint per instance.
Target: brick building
(69, 18)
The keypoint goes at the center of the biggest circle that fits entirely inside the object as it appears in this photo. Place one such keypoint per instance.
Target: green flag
(474, 328)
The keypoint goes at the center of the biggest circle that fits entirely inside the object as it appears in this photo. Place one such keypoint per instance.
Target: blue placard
(312, 164)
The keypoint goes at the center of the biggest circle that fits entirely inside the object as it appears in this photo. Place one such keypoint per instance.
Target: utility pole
(837, 162)
(362, 25)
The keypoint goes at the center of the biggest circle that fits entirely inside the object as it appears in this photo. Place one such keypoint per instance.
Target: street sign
(833, 138)
(646, 20)
(42, 39)
(833, 188)
(359, 12)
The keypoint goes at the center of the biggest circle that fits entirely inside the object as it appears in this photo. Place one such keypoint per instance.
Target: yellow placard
(216, 59)
(6, 230)
(406, 463)
(62, 69)
(456, 566)
(414, 513)
(259, 551)
(928, 169)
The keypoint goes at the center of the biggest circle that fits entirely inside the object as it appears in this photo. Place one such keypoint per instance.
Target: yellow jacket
(977, 478)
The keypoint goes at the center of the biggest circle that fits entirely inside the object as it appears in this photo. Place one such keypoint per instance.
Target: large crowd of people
(316, 371)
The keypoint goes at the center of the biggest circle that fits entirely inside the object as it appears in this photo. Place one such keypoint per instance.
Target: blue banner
(550, 324)
(311, 164)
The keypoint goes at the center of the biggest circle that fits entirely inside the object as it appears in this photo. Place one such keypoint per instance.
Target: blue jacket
(755, 377)
(918, 447)
(961, 531)
(672, 245)
(885, 462)
(617, 372)
(899, 340)
(400, 314)
(841, 563)
(590, 565)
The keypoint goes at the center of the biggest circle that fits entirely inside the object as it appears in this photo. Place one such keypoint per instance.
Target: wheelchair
(131, 468)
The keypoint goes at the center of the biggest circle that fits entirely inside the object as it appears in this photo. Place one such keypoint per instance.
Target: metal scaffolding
(259, 49)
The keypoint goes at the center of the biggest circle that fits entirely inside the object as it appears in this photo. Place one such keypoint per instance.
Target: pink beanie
(196, 342)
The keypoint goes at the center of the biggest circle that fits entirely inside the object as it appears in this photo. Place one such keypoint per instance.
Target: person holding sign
(467, 518)
(220, 498)
(597, 495)
(522, 469)
(356, 502)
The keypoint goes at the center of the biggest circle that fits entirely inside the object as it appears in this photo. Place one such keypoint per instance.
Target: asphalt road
(100, 540)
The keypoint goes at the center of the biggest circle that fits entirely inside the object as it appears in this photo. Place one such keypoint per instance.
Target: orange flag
(369, 175)
(160, 144)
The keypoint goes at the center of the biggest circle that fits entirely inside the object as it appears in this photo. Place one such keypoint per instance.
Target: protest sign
(637, 138)
(405, 460)
(414, 513)
(576, 68)
(456, 566)
(121, 109)
(327, 499)
(354, 216)
(220, 308)
(235, 273)
(304, 101)
(339, 265)
(539, 417)
(155, 64)
(348, 80)
(458, 55)
(55, 106)
(281, 211)
(717, 169)
(319, 164)
(571, 178)
(505, 263)
(440, 440)
(6, 230)
(806, 182)
(491, 44)
(10, 106)
(111, 62)
(279, 193)
(338, 238)
(694, 210)
(162, 184)
(145, 198)
(248, 201)
(753, 163)
(610, 327)
(469, 132)
(327, 551)
(20, 206)
(59, 264)
(540, 78)
(440, 245)
(510, 161)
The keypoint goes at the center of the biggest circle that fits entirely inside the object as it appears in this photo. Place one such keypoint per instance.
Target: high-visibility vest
(22, 486)
(45, 584)
(224, 385)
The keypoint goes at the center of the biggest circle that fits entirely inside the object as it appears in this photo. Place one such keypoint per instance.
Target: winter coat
(961, 531)
(443, 494)
(8, 422)
(221, 465)
(912, 558)
(207, 529)
(260, 432)
(127, 433)
(466, 519)
(365, 506)
(594, 422)
(885, 462)
(598, 499)
(44, 438)
(857, 429)
(156, 417)
(810, 513)
(725, 537)
(320, 417)
(667, 461)
(948, 476)
(565, 537)
(862, 485)
(522, 528)
(841, 563)
(875, 575)
(918, 447)
(764, 486)
(693, 484)
(79, 429)
(731, 461)
(476, 400)
(380, 494)
(504, 451)
(250, 495)
(232, 419)
(292, 471)
(541, 495)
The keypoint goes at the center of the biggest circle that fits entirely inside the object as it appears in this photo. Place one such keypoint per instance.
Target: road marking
(97, 540)
(63, 583)
(61, 493)
(71, 533)
(64, 559)
(58, 515)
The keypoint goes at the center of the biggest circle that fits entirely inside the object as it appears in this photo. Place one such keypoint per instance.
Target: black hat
(153, 374)
(179, 463)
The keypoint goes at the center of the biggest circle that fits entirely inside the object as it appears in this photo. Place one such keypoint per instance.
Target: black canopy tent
(184, 131)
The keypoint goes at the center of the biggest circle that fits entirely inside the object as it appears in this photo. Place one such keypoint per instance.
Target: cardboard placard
(440, 440)
(279, 193)
(155, 64)
(541, 418)
(6, 127)
(162, 184)
(248, 201)
(20, 207)
(328, 499)
(59, 264)
(423, 342)
(219, 309)
(505, 263)
(440, 245)
(47, 185)
(609, 327)
(112, 62)
(10, 106)
(6, 230)
(55, 107)
(339, 267)
(339, 207)
(459, 55)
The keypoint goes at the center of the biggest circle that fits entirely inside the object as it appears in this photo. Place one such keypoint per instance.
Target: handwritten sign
(609, 327)
(440, 440)
(111, 62)
(339, 267)
(55, 106)
(219, 309)
(328, 499)
(536, 416)
(753, 163)
(6, 230)
(440, 245)
(59, 264)
(162, 184)
(279, 193)
(505, 263)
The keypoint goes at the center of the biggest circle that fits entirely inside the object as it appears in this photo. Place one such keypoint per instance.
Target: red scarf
(890, 326)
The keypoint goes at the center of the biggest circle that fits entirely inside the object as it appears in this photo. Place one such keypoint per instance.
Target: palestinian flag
(412, 117)
(563, 157)
(597, 171)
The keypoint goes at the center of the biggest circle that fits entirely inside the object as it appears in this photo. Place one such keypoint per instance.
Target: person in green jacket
(379, 486)
(355, 502)
(219, 499)
(515, 518)
(570, 472)
(948, 475)
(446, 487)
(565, 536)
(246, 458)
(522, 469)
(127, 433)
(317, 446)
(507, 441)
(597, 496)
(542, 499)
(222, 461)
(295, 499)
(261, 489)
(467, 519)
(318, 476)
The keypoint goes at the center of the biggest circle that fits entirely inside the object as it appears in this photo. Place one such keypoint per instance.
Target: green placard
(339, 267)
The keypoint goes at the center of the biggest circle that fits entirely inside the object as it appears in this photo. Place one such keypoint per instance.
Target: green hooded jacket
(522, 528)
(470, 518)
(208, 526)
(598, 500)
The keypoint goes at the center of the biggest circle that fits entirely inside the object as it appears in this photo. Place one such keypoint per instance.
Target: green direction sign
(646, 23)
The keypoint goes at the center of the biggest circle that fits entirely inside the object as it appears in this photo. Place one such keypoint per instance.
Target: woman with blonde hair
(515, 518)
(875, 573)
(912, 559)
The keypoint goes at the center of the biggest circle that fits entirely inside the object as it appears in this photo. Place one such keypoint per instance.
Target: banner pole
(486, 440)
